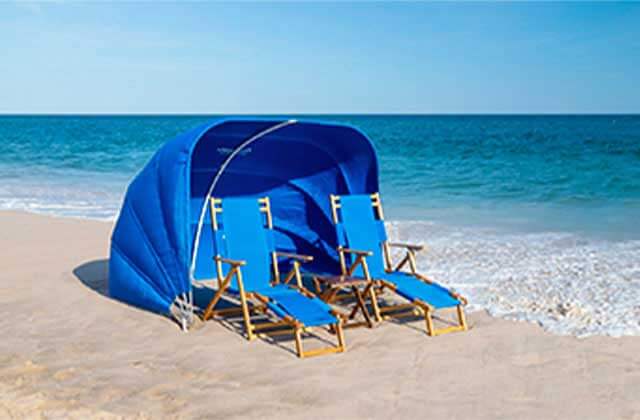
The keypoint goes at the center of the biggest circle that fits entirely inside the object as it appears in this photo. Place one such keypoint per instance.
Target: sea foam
(566, 283)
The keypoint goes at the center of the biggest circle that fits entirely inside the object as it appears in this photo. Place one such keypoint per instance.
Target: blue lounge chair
(243, 242)
(365, 251)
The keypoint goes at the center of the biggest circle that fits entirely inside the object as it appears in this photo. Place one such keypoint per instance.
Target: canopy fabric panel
(149, 244)
(297, 166)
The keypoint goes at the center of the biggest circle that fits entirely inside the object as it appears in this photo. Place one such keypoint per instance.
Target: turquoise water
(540, 210)
(530, 173)
(564, 173)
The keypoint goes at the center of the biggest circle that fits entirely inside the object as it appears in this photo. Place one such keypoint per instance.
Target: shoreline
(557, 326)
(70, 350)
(110, 220)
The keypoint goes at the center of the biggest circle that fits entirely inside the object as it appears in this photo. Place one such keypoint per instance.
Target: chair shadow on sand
(235, 323)
(94, 275)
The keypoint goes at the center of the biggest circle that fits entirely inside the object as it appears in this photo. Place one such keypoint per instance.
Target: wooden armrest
(304, 291)
(356, 251)
(237, 263)
(412, 247)
(303, 258)
(459, 297)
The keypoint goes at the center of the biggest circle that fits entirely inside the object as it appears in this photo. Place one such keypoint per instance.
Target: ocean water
(532, 217)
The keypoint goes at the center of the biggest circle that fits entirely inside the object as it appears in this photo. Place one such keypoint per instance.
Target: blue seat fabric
(285, 300)
(412, 288)
(244, 236)
(359, 229)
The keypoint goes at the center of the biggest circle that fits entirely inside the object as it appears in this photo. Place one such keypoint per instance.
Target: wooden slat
(334, 207)
(213, 211)
(377, 203)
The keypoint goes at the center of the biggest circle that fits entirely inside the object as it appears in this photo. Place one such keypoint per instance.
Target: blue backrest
(359, 229)
(243, 235)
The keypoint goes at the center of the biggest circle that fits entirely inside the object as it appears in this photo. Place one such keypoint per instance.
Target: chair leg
(462, 323)
(339, 348)
(247, 317)
(462, 318)
(429, 322)
(360, 304)
(374, 304)
(298, 334)
(427, 311)
(340, 333)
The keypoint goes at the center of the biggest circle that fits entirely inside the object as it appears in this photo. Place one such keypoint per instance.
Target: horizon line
(346, 114)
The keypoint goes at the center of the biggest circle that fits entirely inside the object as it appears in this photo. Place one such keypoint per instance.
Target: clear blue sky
(68, 57)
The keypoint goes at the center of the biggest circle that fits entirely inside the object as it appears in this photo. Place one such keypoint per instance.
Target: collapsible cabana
(162, 241)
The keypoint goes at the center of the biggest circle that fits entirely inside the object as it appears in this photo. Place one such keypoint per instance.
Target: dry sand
(68, 350)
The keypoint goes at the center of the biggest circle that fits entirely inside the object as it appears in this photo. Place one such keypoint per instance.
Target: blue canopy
(162, 239)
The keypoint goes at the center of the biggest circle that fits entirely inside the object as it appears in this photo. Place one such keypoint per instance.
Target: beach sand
(67, 350)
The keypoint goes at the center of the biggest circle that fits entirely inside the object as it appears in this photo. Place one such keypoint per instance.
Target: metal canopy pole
(188, 311)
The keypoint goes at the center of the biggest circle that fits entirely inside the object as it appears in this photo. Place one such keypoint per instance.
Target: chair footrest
(319, 352)
(448, 330)
(311, 312)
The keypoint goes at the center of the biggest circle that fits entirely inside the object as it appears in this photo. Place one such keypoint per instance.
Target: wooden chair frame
(349, 288)
(417, 307)
(259, 302)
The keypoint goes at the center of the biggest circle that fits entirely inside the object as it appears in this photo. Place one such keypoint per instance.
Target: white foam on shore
(55, 199)
(76, 209)
(566, 283)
